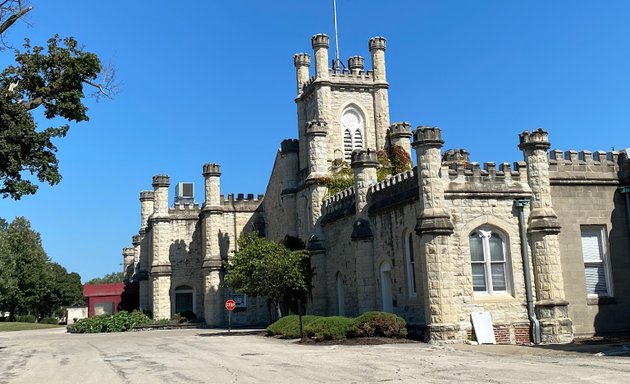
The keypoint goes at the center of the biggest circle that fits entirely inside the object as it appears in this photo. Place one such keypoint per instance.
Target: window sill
(600, 300)
(495, 298)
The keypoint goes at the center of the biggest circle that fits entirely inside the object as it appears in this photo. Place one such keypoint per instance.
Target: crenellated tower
(160, 264)
(353, 101)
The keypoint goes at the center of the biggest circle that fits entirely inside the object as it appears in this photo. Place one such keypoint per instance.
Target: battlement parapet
(211, 170)
(538, 139)
(316, 128)
(377, 42)
(184, 211)
(356, 63)
(241, 202)
(394, 190)
(361, 158)
(339, 204)
(400, 129)
(147, 195)
(290, 146)
(425, 136)
(136, 240)
(302, 59)
(321, 40)
(160, 181)
(470, 180)
(583, 167)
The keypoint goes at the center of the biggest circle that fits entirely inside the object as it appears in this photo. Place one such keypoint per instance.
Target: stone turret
(364, 163)
(381, 99)
(302, 62)
(433, 219)
(146, 209)
(211, 225)
(543, 229)
(161, 267)
(535, 146)
(399, 135)
(377, 47)
(320, 43)
(316, 131)
(212, 184)
(128, 262)
(356, 64)
(435, 227)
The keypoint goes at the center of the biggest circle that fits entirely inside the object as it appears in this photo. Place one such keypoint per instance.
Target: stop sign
(230, 305)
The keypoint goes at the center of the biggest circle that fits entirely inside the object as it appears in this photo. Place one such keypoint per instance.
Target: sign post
(230, 305)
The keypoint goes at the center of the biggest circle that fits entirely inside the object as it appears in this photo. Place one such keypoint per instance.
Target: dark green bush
(371, 324)
(26, 319)
(118, 322)
(185, 316)
(289, 326)
(49, 320)
(329, 328)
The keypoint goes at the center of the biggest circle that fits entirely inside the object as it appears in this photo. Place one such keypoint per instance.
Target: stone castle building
(542, 245)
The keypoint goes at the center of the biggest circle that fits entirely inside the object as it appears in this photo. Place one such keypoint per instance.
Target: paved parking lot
(212, 356)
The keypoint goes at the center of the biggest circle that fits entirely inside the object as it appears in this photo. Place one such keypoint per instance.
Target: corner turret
(377, 47)
(302, 62)
(320, 43)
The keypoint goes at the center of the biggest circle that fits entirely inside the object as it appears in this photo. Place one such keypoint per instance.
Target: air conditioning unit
(185, 193)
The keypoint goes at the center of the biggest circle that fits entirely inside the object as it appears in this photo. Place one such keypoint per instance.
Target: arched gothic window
(353, 129)
(489, 261)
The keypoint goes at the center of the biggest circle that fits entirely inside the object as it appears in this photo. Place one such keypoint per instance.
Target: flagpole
(337, 63)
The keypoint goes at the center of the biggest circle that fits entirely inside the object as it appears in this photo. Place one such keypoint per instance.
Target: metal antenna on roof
(336, 62)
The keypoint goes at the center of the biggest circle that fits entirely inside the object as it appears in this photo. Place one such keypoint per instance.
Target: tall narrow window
(353, 130)
(488, 255)
(596, 260)
(411, 265)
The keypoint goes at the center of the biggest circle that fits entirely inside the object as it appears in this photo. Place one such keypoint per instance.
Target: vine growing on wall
(392, 161)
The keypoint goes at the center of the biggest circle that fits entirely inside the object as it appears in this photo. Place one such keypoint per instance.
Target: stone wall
(584, 187)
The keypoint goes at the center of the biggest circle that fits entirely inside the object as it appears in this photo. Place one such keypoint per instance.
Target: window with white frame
(489, 261)
(596, 260)
(411, 264)
(353, 131)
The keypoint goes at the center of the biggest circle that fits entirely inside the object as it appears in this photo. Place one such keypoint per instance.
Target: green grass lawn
(6, 326)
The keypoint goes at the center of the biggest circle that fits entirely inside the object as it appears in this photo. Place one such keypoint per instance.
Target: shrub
(26, 319)
(186, 316)
(289, 326)
(329, 328)
(118, 322)
(49, 320)
(384, 324)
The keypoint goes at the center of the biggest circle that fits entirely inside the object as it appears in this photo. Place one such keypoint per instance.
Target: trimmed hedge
(118, 322)
(369, 324)
(49, 320)
(383, 324)
(26, 319)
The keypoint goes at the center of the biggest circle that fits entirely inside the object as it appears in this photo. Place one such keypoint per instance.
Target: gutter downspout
(520, 205)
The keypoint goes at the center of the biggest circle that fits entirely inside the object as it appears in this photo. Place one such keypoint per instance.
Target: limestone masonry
(542, 244)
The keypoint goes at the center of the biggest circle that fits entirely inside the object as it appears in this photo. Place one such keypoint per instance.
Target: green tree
(114, 277)
(60, 289)
(24, 253)
(263, 268)
(51, 78)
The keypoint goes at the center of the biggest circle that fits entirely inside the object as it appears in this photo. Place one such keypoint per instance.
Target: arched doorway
(184, 299)
(386, 287)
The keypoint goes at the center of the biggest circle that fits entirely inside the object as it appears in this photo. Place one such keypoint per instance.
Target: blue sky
(210, 81)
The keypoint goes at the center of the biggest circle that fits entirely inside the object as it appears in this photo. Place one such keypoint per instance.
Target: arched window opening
(411, 264)
(489, 261)
(352, 126)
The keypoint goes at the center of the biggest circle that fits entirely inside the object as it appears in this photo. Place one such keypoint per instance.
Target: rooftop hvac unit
(185, 193)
